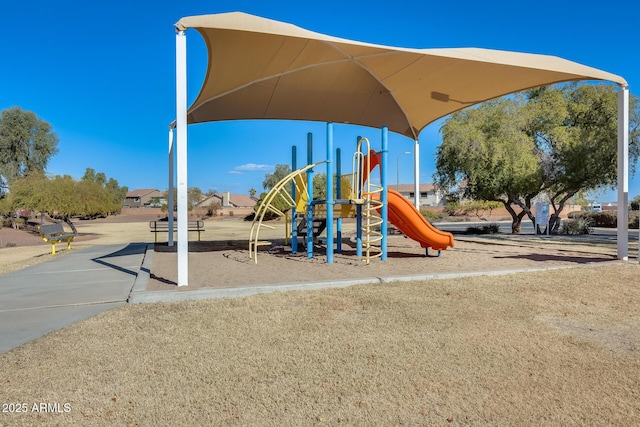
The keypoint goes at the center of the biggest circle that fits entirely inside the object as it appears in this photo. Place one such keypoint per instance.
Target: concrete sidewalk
(80, 284)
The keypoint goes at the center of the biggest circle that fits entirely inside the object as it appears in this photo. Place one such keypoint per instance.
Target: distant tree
(558, 140)
(63, 196)
(575, 129)
(271, 179)
(488, 150)
(320, 186)
(252, 192)
(26, 145)
(194, 196)
(111, 194)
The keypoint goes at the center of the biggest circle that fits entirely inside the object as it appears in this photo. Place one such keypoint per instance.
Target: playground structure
(371, 204)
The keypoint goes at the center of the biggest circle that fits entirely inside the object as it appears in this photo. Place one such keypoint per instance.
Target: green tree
(558, 140)
(106, 193)
(194, 196)
(271, 179)
(63, 196)
(575, 128)
(26, 145)
(487, 155)
(320, 186)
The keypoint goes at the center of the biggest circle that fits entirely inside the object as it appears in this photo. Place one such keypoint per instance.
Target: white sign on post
(542, 217)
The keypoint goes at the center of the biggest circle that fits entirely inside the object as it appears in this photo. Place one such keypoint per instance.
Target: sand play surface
(225, 261)
(221, 259)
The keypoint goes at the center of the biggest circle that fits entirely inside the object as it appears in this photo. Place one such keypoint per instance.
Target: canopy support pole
(416, 174)
(294, 215)
(181, 136)
(384, 197)
(623, 174)
(170, 201)
(330, 200)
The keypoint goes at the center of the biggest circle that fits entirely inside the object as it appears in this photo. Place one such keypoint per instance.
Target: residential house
(144, 198)
(228, 201)
(429, 194)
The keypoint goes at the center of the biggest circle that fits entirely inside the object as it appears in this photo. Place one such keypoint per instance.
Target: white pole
(170, 201)
(416, 174)
(623, 173)
(181, 135)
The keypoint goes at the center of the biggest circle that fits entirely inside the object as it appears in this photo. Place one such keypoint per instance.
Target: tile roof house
(228, 200)
(144, 197)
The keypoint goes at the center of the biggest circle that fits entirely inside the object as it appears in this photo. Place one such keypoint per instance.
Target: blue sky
(103, 75)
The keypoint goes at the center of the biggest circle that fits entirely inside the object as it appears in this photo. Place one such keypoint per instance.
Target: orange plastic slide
(410, 221)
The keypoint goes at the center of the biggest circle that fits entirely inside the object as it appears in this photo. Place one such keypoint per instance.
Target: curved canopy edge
(264, 69)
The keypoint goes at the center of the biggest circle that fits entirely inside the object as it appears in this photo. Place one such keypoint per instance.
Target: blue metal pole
(358, 207)
(294, 225)
(384, 197)
(330, 200)
(339, 196)
(310, 194)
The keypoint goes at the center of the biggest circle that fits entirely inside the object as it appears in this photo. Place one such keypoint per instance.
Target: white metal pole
(170, 201)
(623, 173)
(181, 136)
(416, 174)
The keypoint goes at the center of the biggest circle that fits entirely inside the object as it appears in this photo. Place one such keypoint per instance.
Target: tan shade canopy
(265, 69)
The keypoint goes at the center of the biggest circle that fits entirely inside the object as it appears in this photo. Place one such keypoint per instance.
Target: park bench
(55, 233)
(163, 227)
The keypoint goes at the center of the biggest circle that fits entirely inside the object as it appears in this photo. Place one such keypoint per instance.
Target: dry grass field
(557, 347)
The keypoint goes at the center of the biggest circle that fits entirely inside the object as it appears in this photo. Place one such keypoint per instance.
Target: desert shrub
(604, 219)
(454, 208)
(578, 226)
(599, 219)
(429, 215)
(213, 208)
(268, 216)
(485, 229)
(634, 220)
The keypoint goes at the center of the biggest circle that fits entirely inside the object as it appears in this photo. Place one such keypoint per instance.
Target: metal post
(310, 198)
(358, 190)
(181, 135)
(339, 196)
(384, 197)
(330, 200)
(416, 174)
(623, 174)
(294, 225)
(172, 177)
